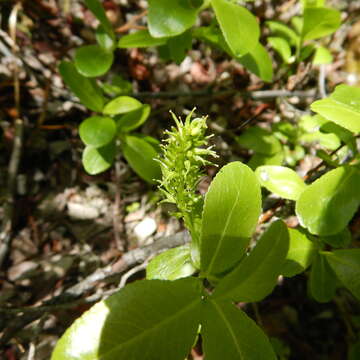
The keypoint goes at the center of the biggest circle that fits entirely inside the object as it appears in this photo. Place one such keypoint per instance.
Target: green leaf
(171, 264)
(328, 141)
(228, 333)
(121, 105)
(231, 210)
(319, 22)
(260, 159)
(140, 155)
(282, 47)
(170, 18)
(354, 351)
(178, 46)
(256, 275)
(258, 61)
(139, 39)
(146, 320)
(341, 240)
(97, 160)
(300, 255)
(104, 39)
(342, 107)
(97, 131)
(322, 282)
(322, 56)
(133, 119)
(284, 31)
(98, 10)
(312, 3)
(85, 89)
(281, 181)
(346, 265)
(239, 26)
(259, 140)
(328, 204)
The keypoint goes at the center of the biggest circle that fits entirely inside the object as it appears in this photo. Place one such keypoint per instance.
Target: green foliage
(235, 194)
(97, 131)
(337, 197)
(281, 181)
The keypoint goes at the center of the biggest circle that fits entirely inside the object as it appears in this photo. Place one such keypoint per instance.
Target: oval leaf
(322, 282)
(328, 204)
(133, 119)
(159, 316)
(140, 155)
(139, 39)
(256, 275)
(300, 255)
(97, 160)
(241, 338)
(281, 181)
(171, 264)
(346, 265)
(121, 105)
(93, 60)
(170, 18)
(231, 211)
(239, 26)
(319, 22)
(97, 130)
(342, 107)
(282, 47)
(85, 89)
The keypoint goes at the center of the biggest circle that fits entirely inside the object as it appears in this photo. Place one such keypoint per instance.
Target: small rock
(145, 228)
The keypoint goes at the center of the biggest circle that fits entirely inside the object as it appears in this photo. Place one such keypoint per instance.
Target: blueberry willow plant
(182, 298)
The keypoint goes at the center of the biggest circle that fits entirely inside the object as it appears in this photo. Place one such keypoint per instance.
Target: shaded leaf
(241, 338)
(97, 9)
(134, 323)
(140, 155)
(256, 275)
(133, 119)
(85, 89)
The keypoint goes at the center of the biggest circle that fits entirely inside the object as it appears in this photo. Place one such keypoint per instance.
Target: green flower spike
(184, 153)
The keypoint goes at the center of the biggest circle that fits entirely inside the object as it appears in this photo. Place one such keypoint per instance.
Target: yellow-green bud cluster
(183, 154)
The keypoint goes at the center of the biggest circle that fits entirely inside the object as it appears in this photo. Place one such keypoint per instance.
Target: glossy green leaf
(256, 275)
(322, 56)
(259, 140)
(228, 333)
(133, 119)
(171, 264)
(239, 26)
(104, 39)
(260, 159)
(346, 265)
(328, 204)
(322, 282)
(281, 180)
(328, 141)
(319, 22)
(258, 61)
(139, 39)
(231, 210)
(300, 255)
(121, 105)
(85, 89)
(140, 155)
(97, 131)
(342, 107)
(97, 160)
(284, 31)
(341, 240)
(170, 18)
(97, 9)
(282, 47)
(145, 320)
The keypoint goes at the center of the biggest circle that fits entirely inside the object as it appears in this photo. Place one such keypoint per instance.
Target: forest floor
(72, 238)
